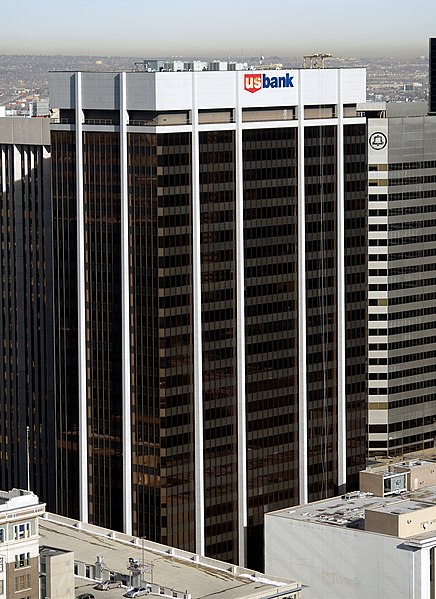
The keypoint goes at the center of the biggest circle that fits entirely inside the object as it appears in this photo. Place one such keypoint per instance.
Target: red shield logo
(253, 82)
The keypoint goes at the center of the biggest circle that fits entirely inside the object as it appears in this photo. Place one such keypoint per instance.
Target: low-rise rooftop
(17, 499)
(346, 511)
(168, 568)
(406, 511)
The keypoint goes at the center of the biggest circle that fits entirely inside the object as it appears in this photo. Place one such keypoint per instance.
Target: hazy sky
(207, 28)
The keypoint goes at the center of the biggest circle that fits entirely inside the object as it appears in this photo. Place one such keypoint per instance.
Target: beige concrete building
(395, 477)
(401, 148)
(56, 574)
(19, 544)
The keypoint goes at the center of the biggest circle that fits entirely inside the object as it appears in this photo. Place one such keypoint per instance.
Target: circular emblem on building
(378, 141)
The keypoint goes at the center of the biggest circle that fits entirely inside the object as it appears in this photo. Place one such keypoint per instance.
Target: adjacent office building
(27, 434)
(402, 277)
(432, 76)
(210, 281)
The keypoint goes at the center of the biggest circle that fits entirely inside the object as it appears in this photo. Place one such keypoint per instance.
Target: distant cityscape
(24, 79)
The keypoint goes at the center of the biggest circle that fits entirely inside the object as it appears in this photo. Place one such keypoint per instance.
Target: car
(138, 591)
(85, 596)
(108, 584)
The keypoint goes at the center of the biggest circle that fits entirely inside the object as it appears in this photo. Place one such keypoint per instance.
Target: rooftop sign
(257, 81)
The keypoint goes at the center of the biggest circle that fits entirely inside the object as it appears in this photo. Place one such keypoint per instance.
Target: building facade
(402, 281)
(19, 544)
(27, 433)
(210, 281)
(56, 578)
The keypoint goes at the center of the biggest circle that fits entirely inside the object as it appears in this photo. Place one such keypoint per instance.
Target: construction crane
(314, 61)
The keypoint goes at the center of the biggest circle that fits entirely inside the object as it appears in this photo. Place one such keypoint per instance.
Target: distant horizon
(217, 56)
(246, 28)
(242, 28)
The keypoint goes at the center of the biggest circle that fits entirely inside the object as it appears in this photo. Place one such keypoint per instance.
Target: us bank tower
(210, 298)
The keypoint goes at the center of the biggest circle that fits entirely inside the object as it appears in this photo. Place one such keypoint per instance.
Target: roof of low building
(201, 577)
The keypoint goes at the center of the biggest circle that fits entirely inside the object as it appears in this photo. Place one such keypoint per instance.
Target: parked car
(108, 584)
(138, 591)
(85, 596)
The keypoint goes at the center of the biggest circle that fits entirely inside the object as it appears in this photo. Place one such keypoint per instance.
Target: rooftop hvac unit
(394, 483)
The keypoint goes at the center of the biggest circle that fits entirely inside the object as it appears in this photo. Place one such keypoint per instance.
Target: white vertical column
(25, 170)
(421, 588)
(16, 166)
(81, 299)
(125, 314)
(198, 353)
(302, 367)
(32, 168)
(3, 151)
(240, 334)
(342, 412)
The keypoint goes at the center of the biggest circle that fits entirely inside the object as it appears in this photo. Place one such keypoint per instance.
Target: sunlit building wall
(402, 282)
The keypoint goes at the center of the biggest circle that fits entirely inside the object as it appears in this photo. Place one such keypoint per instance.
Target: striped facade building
(402, 277)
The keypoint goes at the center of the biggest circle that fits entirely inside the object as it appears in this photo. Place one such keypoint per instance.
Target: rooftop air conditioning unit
(394, 483)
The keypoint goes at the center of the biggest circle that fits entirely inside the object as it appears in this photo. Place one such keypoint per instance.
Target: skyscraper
(432, 76)
(210, 279)
(402, 283)
(27, 432)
